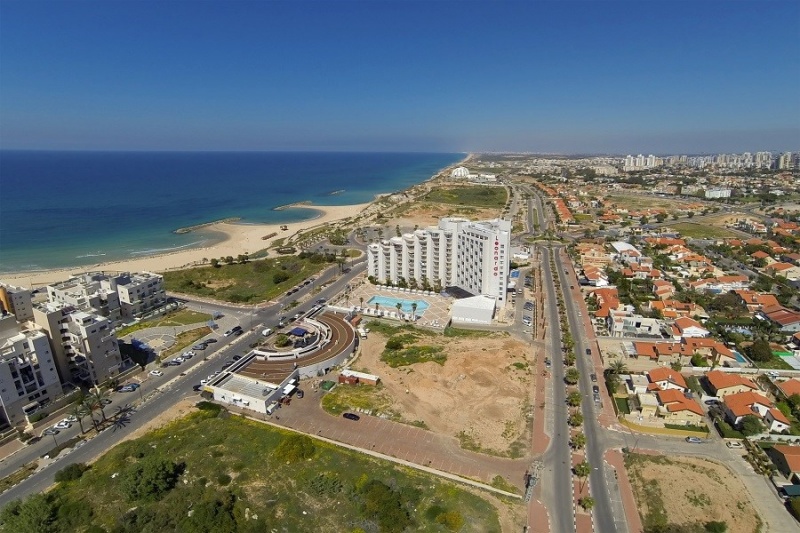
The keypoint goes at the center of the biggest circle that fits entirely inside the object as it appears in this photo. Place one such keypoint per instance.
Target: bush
(294, 448)
(394, 343)
(209, 407)
(452, 520)
(36, 417)
(70, 472)
(282, 340)
(223, 479)
(150, 479)
(280, 276)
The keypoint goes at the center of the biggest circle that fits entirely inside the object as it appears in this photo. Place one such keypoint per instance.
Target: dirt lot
(689, 491)
(478, 391)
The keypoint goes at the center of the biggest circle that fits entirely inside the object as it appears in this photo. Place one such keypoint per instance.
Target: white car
(203, 381)
(63, 425)
(71, 419)
(157, 373)
(189, 354)
(734, 444)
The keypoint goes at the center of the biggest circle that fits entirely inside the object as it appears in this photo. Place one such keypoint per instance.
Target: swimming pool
(387, 303)
(739, 357)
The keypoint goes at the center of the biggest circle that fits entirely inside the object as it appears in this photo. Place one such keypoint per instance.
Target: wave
(98, 254)
(334, 193)
(156, 251)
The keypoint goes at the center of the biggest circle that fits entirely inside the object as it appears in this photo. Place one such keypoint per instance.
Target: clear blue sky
(568, 76)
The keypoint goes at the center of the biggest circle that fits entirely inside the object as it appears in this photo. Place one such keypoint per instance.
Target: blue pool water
(739, 357)
(388, 303)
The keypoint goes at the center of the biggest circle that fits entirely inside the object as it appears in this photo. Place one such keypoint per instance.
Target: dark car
(300, 393)
(200, 346)
(351, 416)
(595, 389)
(238, 332)
(226, 364)
(594, 378)
(196, 388)
(712, 402)
(236, 357)
(210, 341)
(588, 351)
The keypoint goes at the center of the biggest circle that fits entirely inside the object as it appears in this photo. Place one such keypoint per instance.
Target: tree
(794, 401)
(751, 425)
(571, 376)
(578, 441)
(79, 411)
(716, 527)
(399, 306)
(574, 399)
(760, 351)
(229, 259)
(394, 343)
(414, 311)
(618, 367)
(215, 263)
(582, 470)
(149, 479)
(35, 514)
(70, 472)
(690, 214)
(282, 340)
(587, 502)
(575, 420)
(361, 301)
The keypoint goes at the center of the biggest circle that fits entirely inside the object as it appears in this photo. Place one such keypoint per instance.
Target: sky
(647, 76)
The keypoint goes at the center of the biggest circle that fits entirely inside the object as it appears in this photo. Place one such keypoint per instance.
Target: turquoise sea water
(68, 209)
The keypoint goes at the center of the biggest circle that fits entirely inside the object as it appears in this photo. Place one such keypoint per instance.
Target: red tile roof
(723, 380)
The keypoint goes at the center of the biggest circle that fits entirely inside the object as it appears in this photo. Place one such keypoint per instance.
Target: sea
(72, 209)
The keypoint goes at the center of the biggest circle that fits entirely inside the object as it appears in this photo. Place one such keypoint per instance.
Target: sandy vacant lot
(477, 391)
(688, 491)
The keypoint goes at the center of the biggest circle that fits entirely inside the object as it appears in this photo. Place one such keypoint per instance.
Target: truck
(362, 332)
(267, 332)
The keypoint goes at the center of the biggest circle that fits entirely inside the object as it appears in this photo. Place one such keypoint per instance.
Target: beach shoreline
(236, 238)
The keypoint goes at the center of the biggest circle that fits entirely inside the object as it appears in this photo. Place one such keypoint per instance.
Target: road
(595, 441)
(557, 475)
(160, 394)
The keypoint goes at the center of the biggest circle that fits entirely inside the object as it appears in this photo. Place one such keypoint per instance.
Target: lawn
(623, 406)
(700, 231)
(186, 339)
(478, 196)
(182, 317)
(218, 472)
(349, 397)
(251, 282)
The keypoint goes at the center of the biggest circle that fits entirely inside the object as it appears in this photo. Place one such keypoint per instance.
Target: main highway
(158, 394)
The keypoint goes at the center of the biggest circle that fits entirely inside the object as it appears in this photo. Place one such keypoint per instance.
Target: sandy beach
(239, 239)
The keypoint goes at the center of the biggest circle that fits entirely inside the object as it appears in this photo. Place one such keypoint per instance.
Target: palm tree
(414, 311)
(96, 400)
(361, 301)
(377, 305)
(582, 470)
(579, 441)
(618, 367)
(587, 502)
(79, 411)
(399, 306)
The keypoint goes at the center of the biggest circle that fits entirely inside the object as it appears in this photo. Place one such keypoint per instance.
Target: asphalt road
(595, 445)
(557, 459)
(159, 394)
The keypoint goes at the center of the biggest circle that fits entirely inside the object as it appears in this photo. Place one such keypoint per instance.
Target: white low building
(474, 310)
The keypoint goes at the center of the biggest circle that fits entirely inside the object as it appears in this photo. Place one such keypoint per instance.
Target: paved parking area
(402, 441)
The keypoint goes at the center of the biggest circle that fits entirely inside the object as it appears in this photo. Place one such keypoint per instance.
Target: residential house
(786, 270)
(686, 327)
(664, 378)
(676, 408)
(789, 387)
(724, 383)
(787, 320)
(737, 406)
(787, 459)
(663, 289)
(720, 284)
(756, 301)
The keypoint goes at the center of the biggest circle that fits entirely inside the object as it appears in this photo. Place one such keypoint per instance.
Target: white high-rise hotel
(473, 256)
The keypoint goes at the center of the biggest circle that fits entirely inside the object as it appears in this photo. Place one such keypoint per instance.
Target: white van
(271, 408)
(267, 332)
(362, 333)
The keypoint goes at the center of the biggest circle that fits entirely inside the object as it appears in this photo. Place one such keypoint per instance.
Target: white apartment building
(17, 301)
(472, 256)
(122, 297)
(28, 376)
(785, 162)
(139, 293)
(91, 292)
(84, 344)
(718, 193)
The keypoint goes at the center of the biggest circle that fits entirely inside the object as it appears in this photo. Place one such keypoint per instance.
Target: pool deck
(436, 316)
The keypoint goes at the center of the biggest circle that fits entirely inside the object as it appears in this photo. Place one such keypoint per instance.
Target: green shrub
(223, 479)
(294, 448)
(36, 417)
(149, 479)
(794, 507)
(70, 472)
(452, 520)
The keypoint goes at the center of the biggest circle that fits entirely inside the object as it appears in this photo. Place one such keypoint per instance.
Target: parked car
(694, 440)
(196, 388)
(588, 351)
(595, 389)
(236, 357)
(300, 393)
(71, 418)
(352, 416)
(63, 425)
(201, 346)
(226, 364)
(734, 444)
(156, 373)
(594, 378)
(210, 341)
(50, 431)
(712, 401)
(228, 333)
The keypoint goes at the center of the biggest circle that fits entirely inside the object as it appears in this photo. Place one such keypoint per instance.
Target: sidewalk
(615, 459)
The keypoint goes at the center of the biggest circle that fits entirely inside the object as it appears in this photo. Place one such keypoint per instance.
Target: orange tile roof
(722, 380)
(667, 374)
(790, 386)
(675, 401)
(791, 454)
(739, 403)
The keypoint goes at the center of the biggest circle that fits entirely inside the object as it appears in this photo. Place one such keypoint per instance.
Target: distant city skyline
(611, 77)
